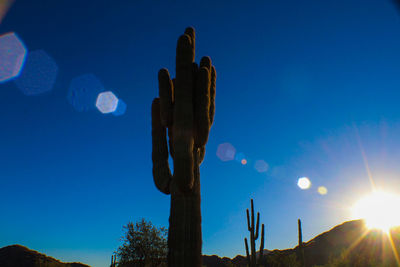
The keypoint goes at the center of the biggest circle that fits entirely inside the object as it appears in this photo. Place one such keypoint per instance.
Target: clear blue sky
(305, 86)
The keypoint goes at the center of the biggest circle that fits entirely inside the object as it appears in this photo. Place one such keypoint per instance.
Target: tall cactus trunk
(186, 108)
(184, 233)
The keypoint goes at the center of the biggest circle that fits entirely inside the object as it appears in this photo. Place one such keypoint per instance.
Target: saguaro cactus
(301, 245)
(252, 259)
(186, 108)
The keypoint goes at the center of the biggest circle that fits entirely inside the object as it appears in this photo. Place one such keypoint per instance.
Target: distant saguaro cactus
(252, 259)
(186, 108)
(301, 245)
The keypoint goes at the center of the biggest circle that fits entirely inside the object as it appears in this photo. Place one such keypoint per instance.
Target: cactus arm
(257, 225)
(247, 251)
(252, 215)
(212, 94)
(202, 107)
(166, 93)
(260, 259)
(248, 220)
(161, 171)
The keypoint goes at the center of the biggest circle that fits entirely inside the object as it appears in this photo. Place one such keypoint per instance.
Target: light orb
(379, 210)
(322, 190)
(304, 183)
(107, 102)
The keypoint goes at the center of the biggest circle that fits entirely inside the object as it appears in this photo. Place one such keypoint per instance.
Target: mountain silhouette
(20, 256)
(347, 244)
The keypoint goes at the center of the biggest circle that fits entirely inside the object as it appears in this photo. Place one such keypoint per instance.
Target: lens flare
(12, 56)
(107, 102)
(226, 152)
(261, 166)
(322, 190)
(304, 183)
(38, 75)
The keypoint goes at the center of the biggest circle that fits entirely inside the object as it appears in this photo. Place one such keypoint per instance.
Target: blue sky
(308, 87)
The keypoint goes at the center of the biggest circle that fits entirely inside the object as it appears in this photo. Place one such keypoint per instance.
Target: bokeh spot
(83, 92)
(243, 161)
(38, 75)
(121, 108)
(304, 183)
(226, 152)
(107, 102)
(261, 166)
(322, 190)
(12, 56)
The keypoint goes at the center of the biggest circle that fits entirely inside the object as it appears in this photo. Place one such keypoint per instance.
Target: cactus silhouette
(252, 259)
(186, 108)
(301, 245)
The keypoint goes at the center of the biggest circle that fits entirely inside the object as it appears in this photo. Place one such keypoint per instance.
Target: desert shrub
(144, 245)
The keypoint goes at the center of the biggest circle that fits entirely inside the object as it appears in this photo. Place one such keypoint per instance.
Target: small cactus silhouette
(186, 108)
(301, 245)
(252, 259)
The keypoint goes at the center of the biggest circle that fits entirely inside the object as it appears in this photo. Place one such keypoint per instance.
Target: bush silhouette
(144, 245)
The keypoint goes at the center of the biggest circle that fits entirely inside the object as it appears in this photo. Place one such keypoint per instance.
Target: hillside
(348, 244)
(20, 256)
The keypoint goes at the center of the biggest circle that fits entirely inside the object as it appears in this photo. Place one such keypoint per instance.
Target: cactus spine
(186, 108)
(301, 245)
(252, 259)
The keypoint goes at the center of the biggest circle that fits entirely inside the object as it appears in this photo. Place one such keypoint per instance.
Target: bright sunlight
(379, 209)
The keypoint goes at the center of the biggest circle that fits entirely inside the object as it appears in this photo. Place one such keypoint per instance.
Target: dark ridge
(20, 256)
(350, 242)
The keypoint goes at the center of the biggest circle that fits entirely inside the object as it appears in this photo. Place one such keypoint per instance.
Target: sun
(379, 210)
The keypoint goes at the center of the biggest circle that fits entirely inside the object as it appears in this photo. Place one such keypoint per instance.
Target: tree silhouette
(144, 245)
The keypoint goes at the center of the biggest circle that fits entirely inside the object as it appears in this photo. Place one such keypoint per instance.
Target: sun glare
(379, 210)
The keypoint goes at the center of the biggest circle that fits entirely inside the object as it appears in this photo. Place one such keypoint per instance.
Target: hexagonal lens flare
(226, 152)
(38, 75)
(261, 166)
(83, 92)
(107, 102)
(304, 183)
(12, 56)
